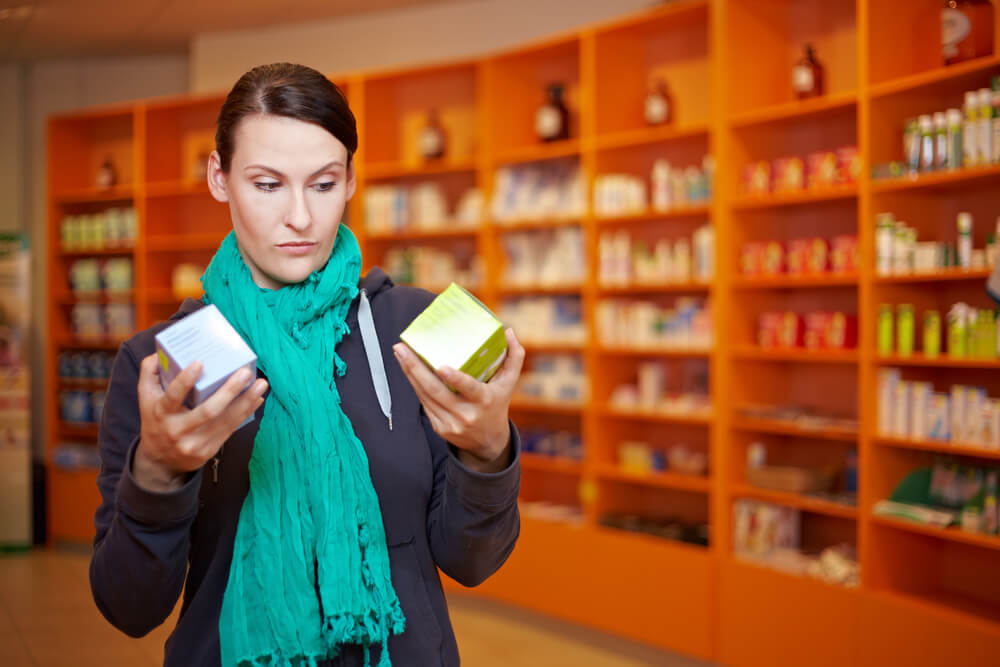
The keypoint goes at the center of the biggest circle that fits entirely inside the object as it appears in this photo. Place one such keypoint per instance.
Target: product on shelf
(814, 331)
(658, 108)
(80, 365)
(759, 528)
(793, 174)
(423, 206)
(91, 320)
(623, 261)
(966, 30)
(546, 258)
(675, 187)
(94, 275)
(107, 175)
(898, 251)
(971, 332)
(76, 456)
(432, 267)
(806, 418)
(913, 410)
(815, 256)
(114, 227)
(677, 530)
(552, 118)
(538, 191)
(642, 324)
(545, 320)
(185, 280)
(556, 378)
(807, 75)
(642, 457)
(431, 141)
(560, 444)
(657, 390)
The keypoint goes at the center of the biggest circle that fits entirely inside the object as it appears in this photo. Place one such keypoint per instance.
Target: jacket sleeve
(140, 553)
(473, 520)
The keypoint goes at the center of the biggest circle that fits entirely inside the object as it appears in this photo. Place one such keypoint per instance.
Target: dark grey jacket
(437, 513)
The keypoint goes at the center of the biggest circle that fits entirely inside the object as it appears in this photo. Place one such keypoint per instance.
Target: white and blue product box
(206, 336)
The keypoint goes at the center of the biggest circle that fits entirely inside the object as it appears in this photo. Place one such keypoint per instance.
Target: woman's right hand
(175, 439)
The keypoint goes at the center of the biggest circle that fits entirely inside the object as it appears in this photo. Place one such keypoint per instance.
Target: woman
(313, 534)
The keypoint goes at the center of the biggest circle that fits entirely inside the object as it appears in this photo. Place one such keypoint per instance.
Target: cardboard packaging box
(457, 330)
(204, 336)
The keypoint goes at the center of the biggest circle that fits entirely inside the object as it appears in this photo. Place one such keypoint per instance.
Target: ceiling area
(35, 29)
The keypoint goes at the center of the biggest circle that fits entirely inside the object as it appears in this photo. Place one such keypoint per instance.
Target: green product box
(905, 330)
(457, 330)
(932, 334)
(885, 330)
(956, 337)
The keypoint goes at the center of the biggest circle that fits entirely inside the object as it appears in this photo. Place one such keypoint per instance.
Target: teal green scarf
(310, 568)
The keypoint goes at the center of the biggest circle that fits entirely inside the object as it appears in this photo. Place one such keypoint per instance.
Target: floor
(47, 619)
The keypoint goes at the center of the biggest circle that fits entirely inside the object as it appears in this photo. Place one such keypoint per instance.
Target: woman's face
(287, 186)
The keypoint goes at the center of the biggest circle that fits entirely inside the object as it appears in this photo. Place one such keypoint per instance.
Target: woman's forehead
(286, 141)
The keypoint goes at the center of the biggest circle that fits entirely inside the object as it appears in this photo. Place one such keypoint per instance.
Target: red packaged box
(848, 164)
(797, 256)
(752, 258)
(792, 330)
(788, 174)
(757, 178)
(844, 254)
(842, 331)
(817, 328)
(768, 326)
(822, 170)
(817, 256)
(773, 259)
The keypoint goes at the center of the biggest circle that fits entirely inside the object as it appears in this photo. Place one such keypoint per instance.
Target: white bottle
(965, 240)
(661, 185)
(926, 143)
(970, 131)
(940, 140)
(985, 126)
(883, 243)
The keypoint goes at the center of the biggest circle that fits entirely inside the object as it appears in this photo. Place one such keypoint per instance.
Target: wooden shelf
(796, 282)
(553, 464)
(753, 353)
(944, 275)
(81, 430)
(522, 404)
(676, 213)
(651, 135)
(798, 501)
(124, 250)
(99, 296)
(553, 290)
(663, 480)
(959, 609)
(656, 351)
(939, 447)
(390, 170)
(528, 225)
(652, 416)
(552, 347)
(804, 198)
(953, 534)
(538, 152)
(118, 193)
(449, 231)
(184, 242)
(100, 343)
(933, 77)
(936, 180)
(90, 384)
(653, 288)
(779, 113)
(943, 361)
(778, 427)
(177, 189)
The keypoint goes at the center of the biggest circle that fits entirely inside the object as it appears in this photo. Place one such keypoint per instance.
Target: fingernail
(261, 387)
(400, 350)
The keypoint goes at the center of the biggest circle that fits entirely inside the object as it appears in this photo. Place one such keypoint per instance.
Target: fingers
(178, 389)
(506, 377)
(238, 411)
(420, 376)
(466, 385)
(215, 405)
(149, 388)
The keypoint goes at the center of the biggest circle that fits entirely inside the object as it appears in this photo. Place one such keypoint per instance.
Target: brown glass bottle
(552, 118)
(659, 105)
(431, 142)
(966, 30)
(807, 76)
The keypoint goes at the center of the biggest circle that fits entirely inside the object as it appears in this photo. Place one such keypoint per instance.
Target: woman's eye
(267, 186)
(324, 187)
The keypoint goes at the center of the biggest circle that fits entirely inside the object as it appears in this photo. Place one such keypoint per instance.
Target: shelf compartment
(649, 415)
(814, 107)
(973, 70)
(390, 170)
(116, 251)
(568, 148)
(664, 480)
(936, 180)
(939, 447)
(945, 275)
(942, 362)
(753, 353)
(796, 282)
(552, 347)
(100, 343)
(804, 198)
(949, 534)
(531, 225)
(778, 427)
(177, 189)
(676, 213)
(447, 232)
(642, 137)
(118, 193)
(85, 431)
(798, 501)
(552, 464)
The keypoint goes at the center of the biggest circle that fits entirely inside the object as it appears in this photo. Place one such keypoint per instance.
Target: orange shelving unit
(925, 596)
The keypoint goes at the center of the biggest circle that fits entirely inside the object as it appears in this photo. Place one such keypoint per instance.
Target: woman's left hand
(475, 420)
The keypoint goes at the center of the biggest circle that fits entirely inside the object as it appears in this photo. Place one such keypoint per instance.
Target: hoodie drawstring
(374, 353)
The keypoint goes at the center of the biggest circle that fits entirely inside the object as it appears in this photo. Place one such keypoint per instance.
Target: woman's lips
(297, 248)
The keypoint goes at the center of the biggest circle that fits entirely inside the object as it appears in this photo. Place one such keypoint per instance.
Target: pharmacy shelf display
(744, 244)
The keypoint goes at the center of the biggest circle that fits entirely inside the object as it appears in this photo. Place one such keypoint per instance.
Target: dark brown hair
(292, 91)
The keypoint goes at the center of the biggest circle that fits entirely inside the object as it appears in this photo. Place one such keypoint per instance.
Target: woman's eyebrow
(325, 167)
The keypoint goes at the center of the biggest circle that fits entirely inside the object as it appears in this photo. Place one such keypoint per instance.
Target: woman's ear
(352, 182)
(217, 180)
